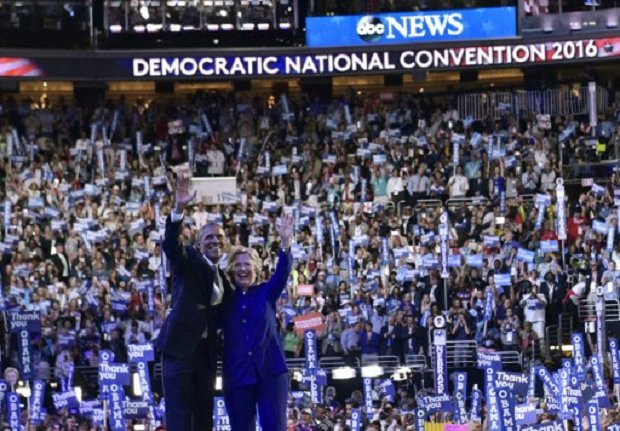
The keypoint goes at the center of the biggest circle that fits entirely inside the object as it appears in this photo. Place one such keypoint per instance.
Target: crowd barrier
(587, 310)
(556, 101)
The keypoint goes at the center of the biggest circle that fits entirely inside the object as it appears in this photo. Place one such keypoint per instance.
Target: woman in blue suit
(255, 373)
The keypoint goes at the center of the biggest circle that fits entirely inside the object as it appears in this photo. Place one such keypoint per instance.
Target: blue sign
(476, 401)
(356, 419)
(517, 383)
(311, 352)
(441, 362)
(368, 397)
(506, 409)
(412, 27)
(117, 408)
(14, 412)
(220, 420)
(579, 354)
(419, 420)
(38, 394)
(594, 415)
(615, 359)
(140, 352)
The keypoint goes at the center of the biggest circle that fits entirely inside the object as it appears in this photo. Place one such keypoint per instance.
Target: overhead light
(372, 371)
(612, 21)
(285, 25)
(227, 26)
(218, 383)
(139, 28)
(175, 27)
(263, 26)
(139, 427)
(213, 27)
(247, 26)
(78, 393)
(343, 373)
(144, 12)
(116, 28)
(153, 27)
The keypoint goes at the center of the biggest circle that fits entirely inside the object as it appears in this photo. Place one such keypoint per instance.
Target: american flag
(14, 66)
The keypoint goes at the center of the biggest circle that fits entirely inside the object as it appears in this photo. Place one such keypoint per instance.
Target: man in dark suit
(61, 262)
(187, 339)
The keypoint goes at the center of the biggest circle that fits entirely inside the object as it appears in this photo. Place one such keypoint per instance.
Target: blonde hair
(257, 262)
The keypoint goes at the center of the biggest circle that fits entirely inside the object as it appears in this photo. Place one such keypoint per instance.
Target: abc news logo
(370, 28)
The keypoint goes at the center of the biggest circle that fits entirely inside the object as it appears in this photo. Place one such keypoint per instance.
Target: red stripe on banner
(23, 71)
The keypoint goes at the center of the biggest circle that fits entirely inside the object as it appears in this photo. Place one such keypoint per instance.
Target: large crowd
(367, 177)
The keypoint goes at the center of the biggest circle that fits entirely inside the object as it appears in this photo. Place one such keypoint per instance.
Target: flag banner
(367, 387)
(579, 356)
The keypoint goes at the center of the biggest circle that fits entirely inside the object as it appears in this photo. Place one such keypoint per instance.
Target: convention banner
(419, 419)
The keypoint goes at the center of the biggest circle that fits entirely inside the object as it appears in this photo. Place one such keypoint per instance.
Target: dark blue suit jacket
(252, 346)
(192, 286)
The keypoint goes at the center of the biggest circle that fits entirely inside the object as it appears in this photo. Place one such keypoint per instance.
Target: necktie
(218, 287)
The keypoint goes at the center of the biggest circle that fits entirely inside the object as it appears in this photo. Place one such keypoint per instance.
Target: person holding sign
(255, 373)
(188, 338)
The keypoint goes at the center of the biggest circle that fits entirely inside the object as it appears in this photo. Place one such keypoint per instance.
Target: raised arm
(171, 245)
(277, 282)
